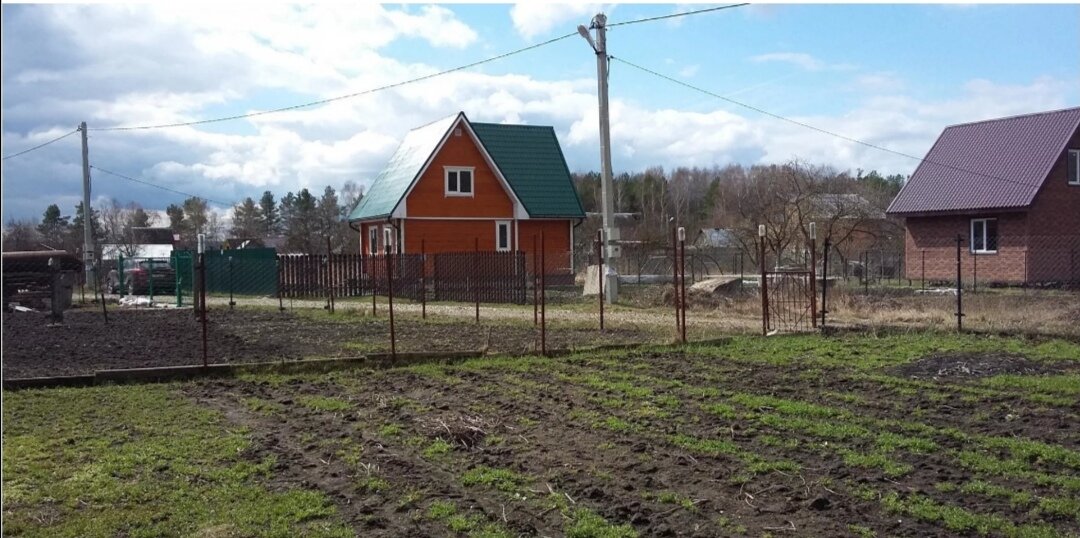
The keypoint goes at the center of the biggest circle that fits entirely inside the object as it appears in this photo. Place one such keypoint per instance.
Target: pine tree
(270, 215)
(53, 227)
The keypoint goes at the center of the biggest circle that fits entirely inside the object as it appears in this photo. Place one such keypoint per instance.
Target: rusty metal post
(329, 276)
(536, 284)
(764, 284)
(423, 280)
(202, 306)
(543, 297)
(280, 300)
(675, 280)
(959, 286)
(824, 282)
(813, 275)
(682, 282)
(390, 302)
(476, 280)
(600, 272)
(974, 272)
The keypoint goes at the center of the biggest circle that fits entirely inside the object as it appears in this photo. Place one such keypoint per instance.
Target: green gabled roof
(409, 159)
(532, 162)
(529, 157)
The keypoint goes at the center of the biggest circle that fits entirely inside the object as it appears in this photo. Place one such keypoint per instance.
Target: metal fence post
(974, 272)
(150, 277)
(475, 280)
(682, 281)
(543, 297)
(390, 302)
(280, 299)
(120, 274)
(600, 272)
(813, 275)
(959, 287)
(824, 282)
(536, 283)
(329, 276)
(232, 303)
(675, 280)
(202, 307)
(423, 280)
(764, 284)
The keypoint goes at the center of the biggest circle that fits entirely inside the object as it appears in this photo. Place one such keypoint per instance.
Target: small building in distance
(144, 242)
(1009, 188)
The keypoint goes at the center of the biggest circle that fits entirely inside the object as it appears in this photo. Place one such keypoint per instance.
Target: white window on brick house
(1074, 167)
(502, 235)
(373, 240)
(388, 239)
(984, 236)
(459, 181)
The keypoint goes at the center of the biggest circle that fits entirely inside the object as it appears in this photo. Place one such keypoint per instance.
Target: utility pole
(611, 234)
(88, 237)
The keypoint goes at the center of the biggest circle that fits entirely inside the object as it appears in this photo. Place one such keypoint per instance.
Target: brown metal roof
(993, 164)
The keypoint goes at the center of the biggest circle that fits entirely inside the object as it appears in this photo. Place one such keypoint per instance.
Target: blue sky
(893, 75)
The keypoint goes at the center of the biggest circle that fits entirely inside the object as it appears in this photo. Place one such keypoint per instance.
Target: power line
(156, 186)
(818, 129)
(673, 15)
(39, 146)
(341, 97)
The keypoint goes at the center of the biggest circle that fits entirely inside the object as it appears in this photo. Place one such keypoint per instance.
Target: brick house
(453, 184)
(1010, 188)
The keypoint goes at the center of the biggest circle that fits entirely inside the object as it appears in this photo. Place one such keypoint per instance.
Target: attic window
(457, 132)
(1074, 167)
(459, 181)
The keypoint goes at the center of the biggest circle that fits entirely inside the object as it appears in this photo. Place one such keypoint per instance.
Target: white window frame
(447, 170)
(509, 241)
(388, 239)
(1074, 156)
(971, 236)
(373, 240)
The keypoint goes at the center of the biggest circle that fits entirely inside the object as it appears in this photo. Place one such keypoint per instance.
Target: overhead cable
(818, 129)
(340, 97)
(156, 186)
(39, 146)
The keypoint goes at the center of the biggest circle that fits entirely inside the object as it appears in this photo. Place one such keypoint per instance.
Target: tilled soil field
(140, 338)
(784, 437)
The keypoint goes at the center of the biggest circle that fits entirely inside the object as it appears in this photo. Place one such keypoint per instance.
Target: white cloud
(532, 19)
(689, 71)
(171, 64)
(802, 60)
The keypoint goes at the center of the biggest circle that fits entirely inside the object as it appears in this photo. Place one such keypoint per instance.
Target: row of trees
(298, 222)
(849, 209)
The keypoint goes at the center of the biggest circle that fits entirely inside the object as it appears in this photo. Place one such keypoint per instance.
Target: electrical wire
(156, 186)
(39, 146)
(818, 129)
(340, 97)
(673, 15)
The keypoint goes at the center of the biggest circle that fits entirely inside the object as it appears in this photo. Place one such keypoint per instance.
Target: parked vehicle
(138, 275)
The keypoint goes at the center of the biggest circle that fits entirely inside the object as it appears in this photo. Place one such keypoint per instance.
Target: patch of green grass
(708, 447)
(323, 403)
(500, 479)
(722, 410)
(585, 523)
(437, 448)
(372, 484)
(876, 460)
(391, 430)
(441, 510)
(862, 531)
(671, 497)
(888, 442)
(759, 465)
(263, 407)
(141, 460)
(365, 348)
(958, 519)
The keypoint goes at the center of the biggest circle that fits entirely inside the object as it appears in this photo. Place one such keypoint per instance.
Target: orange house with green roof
(455, 186)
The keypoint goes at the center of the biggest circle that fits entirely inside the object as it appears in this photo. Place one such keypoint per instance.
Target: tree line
(297, 222)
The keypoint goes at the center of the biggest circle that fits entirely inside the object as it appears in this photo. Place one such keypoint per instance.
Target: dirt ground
(138, 338)
(671, 443)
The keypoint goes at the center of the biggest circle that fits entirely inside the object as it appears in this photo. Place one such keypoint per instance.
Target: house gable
(427, 196)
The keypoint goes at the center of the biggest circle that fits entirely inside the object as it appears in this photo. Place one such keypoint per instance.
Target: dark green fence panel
(249, 271)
